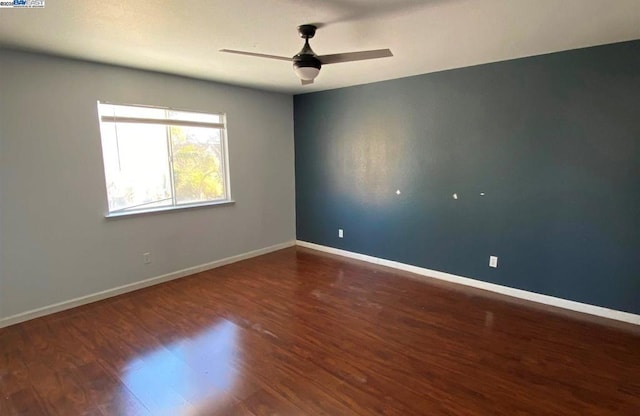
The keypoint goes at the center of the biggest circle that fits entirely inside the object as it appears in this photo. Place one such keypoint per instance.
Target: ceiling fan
(307, 64)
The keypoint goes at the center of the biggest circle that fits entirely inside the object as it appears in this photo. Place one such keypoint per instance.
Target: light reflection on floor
(186, 375)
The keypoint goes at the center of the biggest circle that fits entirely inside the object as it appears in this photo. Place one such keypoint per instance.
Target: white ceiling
(184, 37)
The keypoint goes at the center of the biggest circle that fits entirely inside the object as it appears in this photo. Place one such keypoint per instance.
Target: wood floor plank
(305, 333)
(264, 403)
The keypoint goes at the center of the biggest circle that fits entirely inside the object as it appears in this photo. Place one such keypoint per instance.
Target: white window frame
(222, 126)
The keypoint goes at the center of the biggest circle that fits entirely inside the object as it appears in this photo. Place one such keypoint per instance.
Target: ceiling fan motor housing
(306, 66)
(306, 61)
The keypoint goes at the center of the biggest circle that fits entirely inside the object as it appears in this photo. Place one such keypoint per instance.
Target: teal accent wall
(553, 143)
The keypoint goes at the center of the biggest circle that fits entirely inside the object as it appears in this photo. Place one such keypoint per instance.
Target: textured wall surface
(56, 243)
(553, 143)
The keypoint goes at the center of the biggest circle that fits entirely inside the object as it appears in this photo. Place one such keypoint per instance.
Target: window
(161, 158)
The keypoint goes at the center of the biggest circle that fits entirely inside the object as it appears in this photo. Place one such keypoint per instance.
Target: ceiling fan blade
(306, 81)
(259, 55)
(354, 56)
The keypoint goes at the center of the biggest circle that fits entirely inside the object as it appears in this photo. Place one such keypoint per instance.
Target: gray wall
(553, 141)
(56, 244)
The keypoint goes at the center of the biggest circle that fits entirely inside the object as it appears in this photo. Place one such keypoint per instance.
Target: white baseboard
(505, 290)
(83, 300)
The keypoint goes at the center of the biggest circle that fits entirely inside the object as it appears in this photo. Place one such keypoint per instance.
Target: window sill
(152, 211)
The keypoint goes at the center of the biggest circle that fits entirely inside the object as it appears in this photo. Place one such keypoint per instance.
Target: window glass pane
(154, 164)
(136, 163)
(198, 167)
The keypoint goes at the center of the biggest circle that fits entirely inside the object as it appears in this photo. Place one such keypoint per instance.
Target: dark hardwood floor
(297, 332)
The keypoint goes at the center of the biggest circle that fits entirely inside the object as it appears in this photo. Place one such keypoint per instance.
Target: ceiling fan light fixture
(307, 73)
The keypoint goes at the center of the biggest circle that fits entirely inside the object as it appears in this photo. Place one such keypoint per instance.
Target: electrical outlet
(340, 233)
(146, 257)
(493, 261)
